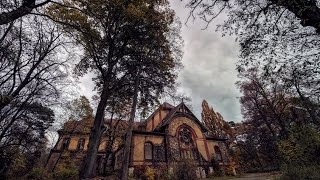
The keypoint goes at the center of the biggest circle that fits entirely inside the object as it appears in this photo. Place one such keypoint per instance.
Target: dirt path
(258, 176)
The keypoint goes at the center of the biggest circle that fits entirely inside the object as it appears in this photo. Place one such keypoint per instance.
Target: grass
(272, 175)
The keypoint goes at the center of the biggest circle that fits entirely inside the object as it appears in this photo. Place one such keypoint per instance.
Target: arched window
(148, 154)
(81, 144)
(187, 144)
(218, 153)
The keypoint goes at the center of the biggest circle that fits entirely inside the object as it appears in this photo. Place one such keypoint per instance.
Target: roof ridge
(168, 117)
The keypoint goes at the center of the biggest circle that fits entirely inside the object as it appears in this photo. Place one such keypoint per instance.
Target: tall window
(218, 153)
(65, 143)
(148, 154)
(81, 144)
(187, 146)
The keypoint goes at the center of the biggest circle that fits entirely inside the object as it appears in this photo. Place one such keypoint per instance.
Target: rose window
(185, 136)
(187, 147)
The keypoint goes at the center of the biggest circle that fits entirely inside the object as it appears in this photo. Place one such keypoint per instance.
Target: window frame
(187, 145)
(65, 143)
(82, 140)
(151, 151)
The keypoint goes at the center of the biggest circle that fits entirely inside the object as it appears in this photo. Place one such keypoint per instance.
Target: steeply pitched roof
(84, 126)
(181, 109)
(164, 106)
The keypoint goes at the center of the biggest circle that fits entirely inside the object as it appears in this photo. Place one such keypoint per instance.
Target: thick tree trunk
(110, 142)
(127, 145)
(94, 139)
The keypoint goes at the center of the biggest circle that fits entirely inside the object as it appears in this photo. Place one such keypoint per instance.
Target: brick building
(168, 135)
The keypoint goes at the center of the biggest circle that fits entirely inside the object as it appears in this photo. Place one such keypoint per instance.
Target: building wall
(74, 139)
(201, 144)
(156, 119)
(138, 141)
(198, 136)
(211, 144)
(204, 146)
(56, 154)
(178, 121)
(73, 142)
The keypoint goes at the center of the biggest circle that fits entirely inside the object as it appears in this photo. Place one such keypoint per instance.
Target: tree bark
(94, 139)
(127, 145)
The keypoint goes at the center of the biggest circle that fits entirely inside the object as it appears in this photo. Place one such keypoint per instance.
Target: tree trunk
(108, 151)
(264, 118)
(94, 139)
(306, 102)
(127, 145)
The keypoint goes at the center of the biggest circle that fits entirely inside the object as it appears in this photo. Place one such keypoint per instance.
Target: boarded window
(148, 151)
(81, 144)
(218, 153)
(159, 153)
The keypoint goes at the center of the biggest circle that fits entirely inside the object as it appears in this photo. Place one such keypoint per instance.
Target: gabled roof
(84, 126)
(164, 106)
(183, 110)
(168, 106)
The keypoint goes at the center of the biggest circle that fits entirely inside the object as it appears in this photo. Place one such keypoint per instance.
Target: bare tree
(29, 75)
(13, 10)
(306, 10)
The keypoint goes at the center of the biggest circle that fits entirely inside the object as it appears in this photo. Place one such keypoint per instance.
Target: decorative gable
(157, 116)
(180, 110)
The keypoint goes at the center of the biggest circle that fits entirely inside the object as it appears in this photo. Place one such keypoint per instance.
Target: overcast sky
(209, 67)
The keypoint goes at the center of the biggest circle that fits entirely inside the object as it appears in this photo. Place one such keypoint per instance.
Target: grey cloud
(209, 67)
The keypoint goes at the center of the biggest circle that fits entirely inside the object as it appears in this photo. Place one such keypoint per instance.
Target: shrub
(70, 173)
(139, 171)
(39, 173)
(230, 170)
(18, 166)
(301, 146)
(185, 170)
(217, 169)
(167, 176)
(210, 175)
(299, 152)
(301, 172)
(66, 168)
(162, 173)
(150, 173)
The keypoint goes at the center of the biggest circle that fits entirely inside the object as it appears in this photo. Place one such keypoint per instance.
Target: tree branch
(26, 8)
